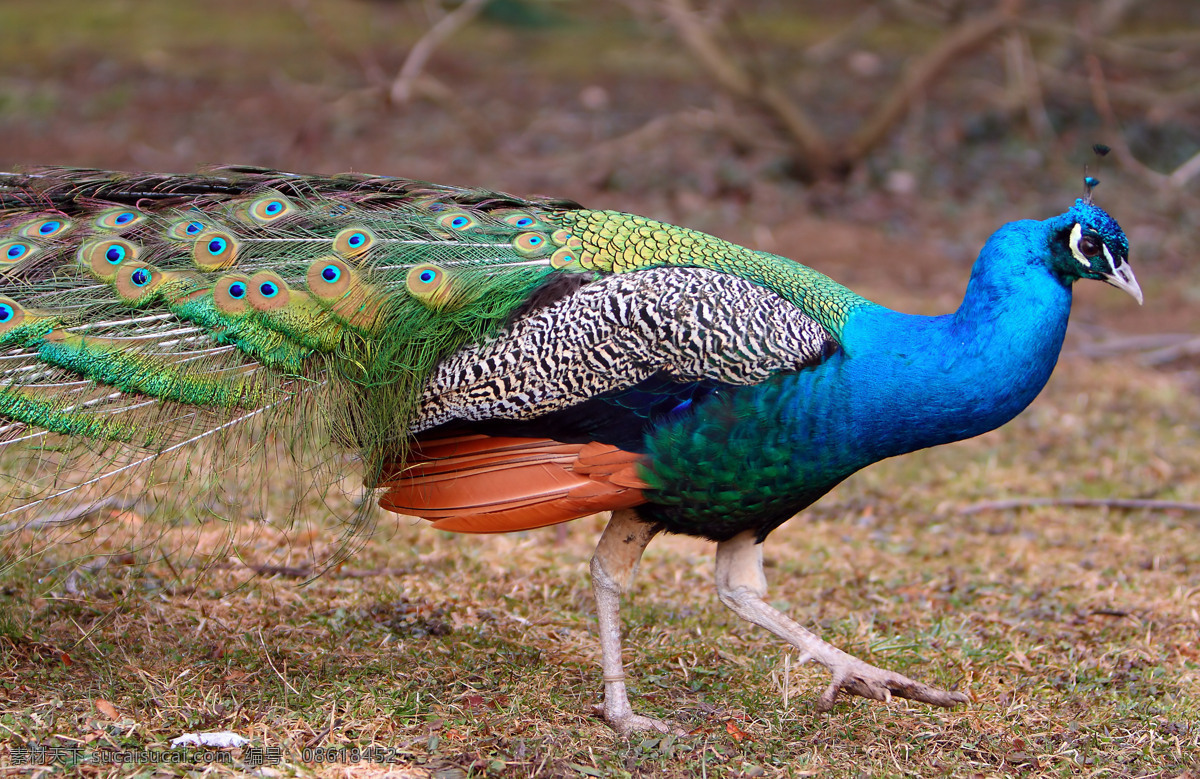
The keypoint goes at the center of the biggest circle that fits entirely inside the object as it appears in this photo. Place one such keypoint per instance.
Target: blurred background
(881, 141)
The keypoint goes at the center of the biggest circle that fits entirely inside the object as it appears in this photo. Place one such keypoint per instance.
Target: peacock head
(1089, 244)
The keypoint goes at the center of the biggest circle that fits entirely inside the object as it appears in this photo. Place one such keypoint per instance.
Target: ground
(1073, 629)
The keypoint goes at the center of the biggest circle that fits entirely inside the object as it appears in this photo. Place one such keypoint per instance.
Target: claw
(865, 680)
(629, 723)
(741, 585)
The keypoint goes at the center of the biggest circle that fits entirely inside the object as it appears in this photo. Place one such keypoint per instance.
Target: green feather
(204, 301)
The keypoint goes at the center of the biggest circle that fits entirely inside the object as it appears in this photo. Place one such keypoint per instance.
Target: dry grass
(1075, 632)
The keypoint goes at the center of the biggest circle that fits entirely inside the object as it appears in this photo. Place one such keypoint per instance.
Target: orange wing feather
(485, 484)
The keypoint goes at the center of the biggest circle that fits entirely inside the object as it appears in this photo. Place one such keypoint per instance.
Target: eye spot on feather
(429, 284)
(11, 314)
(267, 291)
(46, 228)
(563, 257)
(186, 230)
(214, 250)
(104, 258)
(457, 220)
(14, 251)
(519, 220)
(353, 241)
(134, 282)
(118, 219)
(329, 278)
(531, 244)
(229, 294)
(270, 208)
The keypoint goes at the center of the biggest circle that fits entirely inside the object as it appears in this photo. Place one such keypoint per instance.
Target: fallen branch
(402, 87)
(335, 46)
(1120, 146)
(1129, 96)
(309, 572)
(1185, 172)
(737, 81)
(1189, 348)
(962, 41)
(1153, 343)
(818, 155)
(72, 515)
(1128, 504)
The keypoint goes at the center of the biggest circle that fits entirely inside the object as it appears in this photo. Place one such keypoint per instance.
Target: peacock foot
(741, 586)
(856, 677)
(627, 723)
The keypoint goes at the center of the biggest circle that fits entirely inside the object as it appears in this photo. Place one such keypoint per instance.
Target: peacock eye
(1089, 246)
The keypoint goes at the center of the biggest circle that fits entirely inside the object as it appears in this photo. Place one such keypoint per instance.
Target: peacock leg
(741, 585)
(613, 567)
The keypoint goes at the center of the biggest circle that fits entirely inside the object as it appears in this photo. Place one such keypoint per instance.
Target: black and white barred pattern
(689, 324)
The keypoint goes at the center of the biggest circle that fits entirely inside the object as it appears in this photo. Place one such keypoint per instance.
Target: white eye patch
(1076, 235)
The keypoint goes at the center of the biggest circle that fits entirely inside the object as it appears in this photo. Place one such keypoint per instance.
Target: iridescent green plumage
(611, 241)
(149, 310)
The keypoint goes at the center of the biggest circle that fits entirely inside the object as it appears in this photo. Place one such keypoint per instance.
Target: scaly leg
(741, 585)
(613, 567)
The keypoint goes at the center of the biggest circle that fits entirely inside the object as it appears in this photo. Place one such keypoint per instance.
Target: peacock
(500, 363)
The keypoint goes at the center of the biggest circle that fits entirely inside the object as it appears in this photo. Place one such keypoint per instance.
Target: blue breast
(752, 457)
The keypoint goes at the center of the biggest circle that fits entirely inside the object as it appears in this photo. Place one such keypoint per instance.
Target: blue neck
(907, 382)
(757, 455)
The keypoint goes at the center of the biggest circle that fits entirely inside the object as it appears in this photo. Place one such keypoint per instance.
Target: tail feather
(157, 311)
(481, 484)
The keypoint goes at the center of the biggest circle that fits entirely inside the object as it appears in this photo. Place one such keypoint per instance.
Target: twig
(824, 52)
(338, 50)
(734, 79)
(1148, 344)
(964, 40)
(402, 87)
(1117, 140)
(1167, 354)
(267, 654)
(1143, 99)
(292, 572)
(817, 153)
(1154, 54)
(71, 515)
(1130, 504)
(1027, 86)
(1185, 172)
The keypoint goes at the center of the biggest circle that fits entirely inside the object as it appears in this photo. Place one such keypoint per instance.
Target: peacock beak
(1122, 278)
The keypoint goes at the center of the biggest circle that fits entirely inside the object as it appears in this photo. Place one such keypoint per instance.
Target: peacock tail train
(203, 319)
